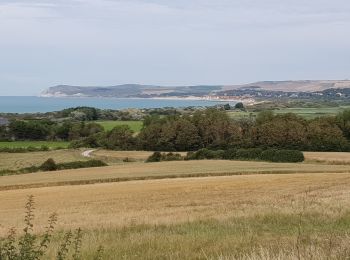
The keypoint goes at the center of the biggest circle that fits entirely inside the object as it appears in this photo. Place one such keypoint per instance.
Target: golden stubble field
(174, 169)
(173, 201)
(327, 157)
(230, 210)
(14, 161)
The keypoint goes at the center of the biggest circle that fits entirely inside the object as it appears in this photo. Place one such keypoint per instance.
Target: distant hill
(294, 85)
(149, 91)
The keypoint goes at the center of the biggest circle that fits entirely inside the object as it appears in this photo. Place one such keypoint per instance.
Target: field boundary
(145, 178)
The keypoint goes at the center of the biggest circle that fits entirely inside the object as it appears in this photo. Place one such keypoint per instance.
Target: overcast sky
(170, 42)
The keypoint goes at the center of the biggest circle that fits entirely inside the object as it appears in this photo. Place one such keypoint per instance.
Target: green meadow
(36, 144)
(109, 125)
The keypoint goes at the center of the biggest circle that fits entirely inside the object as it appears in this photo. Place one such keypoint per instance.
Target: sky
(170, 42)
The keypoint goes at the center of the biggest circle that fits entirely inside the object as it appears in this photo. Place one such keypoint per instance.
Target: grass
(310, 113)
(15, 161)
(307, 113)
(37, 144)
(109, 125)
(174, 169)
(299, 216)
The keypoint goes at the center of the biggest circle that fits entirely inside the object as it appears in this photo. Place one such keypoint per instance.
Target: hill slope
(149, 91)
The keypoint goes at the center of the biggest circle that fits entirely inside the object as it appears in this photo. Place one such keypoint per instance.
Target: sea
(31, 104)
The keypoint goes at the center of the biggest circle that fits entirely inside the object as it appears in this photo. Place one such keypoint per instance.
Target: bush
(230, 154)
(26, 149)
(159, 157)
(49, 165)
(205, 153)
(274, 155)
(171, 157)
(249, 154)
(270, 155)
(81, 164)
(155, 157)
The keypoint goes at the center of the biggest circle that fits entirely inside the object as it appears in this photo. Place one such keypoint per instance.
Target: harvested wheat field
(122, 156)
(277, 216)
(175, 169)
(15, 161)
(328, 157)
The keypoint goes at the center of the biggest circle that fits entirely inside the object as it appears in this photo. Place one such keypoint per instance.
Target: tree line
(210, 128)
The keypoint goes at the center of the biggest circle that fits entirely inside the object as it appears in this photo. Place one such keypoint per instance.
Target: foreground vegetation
(301, 216)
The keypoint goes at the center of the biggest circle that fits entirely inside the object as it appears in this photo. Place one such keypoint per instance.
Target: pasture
(307, 113)
(109, 125)
(36, 144)
(295, 216)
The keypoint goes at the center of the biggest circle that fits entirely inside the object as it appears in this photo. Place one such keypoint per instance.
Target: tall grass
(30, 246)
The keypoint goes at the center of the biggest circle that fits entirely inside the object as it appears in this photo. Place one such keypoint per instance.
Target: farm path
(87, 153)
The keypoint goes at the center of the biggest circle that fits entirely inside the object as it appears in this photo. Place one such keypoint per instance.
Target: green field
(307, 113)
(310, 113)
(36, 144)
(109, 125)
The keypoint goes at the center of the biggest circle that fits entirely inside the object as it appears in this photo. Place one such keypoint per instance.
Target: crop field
(208, 209)
(120, 156)
(327, 157)
(146, 171)
(109, 125)
(15, 161)
(288, 216)
(36, 144)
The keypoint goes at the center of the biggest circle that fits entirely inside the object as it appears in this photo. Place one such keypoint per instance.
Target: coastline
(190, 98)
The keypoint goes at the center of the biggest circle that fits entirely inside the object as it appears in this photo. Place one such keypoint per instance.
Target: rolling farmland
(181, 218)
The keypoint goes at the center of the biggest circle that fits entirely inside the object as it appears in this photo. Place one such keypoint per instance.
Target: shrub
(49, 165)
(81, 164)
(26, 149)
(171, 157)
(230, 154)
(249, 154)
(205, 153)
(159, 157)
(155, 157)
(271, 155)
(274, 155)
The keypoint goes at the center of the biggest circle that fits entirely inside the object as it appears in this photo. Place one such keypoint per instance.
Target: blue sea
(44, 104)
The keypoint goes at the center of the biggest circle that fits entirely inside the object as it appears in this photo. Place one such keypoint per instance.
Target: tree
(343, 121)
(239, 105)
(120, 138)
(325, 136)
(282, 131)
